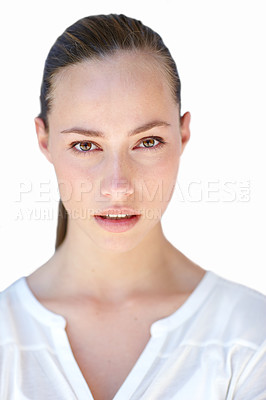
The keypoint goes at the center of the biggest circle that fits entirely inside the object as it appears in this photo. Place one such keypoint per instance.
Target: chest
(106, 342)
(106, 356)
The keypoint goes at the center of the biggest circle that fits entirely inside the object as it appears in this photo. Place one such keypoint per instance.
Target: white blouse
(212, 348)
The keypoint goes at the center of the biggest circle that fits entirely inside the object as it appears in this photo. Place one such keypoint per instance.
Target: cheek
(157, 182)
(75, 183)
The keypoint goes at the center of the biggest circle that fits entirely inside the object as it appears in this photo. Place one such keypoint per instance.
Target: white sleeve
(251, 384)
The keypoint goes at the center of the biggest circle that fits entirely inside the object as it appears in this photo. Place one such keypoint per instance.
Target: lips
(117, 225)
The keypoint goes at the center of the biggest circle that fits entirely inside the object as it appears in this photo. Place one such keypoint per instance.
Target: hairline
(160, 65)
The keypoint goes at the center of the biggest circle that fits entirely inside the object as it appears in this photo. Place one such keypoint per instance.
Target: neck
(84, 268)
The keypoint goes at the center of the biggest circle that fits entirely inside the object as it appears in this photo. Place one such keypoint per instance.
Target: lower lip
(117, 225)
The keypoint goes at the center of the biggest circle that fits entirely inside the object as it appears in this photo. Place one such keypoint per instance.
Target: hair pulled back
(96, 37)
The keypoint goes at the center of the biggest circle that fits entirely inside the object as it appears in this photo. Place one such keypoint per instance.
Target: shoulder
(10, 310)
(16, 320)
(8, 299)
(241, 319)
(237, 310)
(241, 299)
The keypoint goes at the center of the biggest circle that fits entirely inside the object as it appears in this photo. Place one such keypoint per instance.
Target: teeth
(117, 216)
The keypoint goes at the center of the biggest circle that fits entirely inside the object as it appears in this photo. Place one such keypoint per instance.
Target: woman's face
(115, 140)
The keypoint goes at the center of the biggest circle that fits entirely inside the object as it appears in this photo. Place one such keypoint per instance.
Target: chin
(116, 243)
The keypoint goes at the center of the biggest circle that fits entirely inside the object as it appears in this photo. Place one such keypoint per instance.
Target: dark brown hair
(96, 37)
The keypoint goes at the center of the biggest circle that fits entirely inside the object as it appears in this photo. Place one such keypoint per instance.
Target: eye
(82, 147)
(150, 142)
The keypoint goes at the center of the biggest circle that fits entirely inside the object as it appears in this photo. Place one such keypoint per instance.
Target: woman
(118, 312)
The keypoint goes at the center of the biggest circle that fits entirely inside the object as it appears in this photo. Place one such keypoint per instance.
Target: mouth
(116, 216)
(117, 223)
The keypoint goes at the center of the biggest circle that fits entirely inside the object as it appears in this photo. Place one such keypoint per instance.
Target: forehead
(119, 86)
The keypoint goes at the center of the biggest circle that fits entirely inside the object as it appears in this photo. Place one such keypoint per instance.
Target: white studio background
(217, 213)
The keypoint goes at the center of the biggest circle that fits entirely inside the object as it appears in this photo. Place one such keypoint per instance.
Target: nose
(117, 179)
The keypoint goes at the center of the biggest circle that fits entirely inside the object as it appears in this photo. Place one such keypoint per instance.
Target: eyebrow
(143, 128)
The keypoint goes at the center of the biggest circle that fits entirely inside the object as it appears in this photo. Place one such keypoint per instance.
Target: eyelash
(156, 147)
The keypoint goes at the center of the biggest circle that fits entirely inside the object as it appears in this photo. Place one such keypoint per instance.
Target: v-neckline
(131, 382)
(158, 330)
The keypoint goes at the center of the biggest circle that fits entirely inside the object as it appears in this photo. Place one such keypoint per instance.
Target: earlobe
(43, 138)
(185, 130)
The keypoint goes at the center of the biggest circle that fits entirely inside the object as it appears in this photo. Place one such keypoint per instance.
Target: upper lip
(118, 211)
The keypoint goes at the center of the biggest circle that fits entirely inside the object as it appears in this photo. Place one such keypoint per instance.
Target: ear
(185, 130)
(43, 138)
